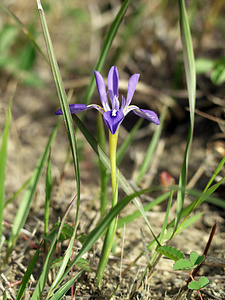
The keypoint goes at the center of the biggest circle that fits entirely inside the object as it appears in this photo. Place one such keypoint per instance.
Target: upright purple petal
(101, 90)
(147, 114)
(74, 109)
(113, 119)
(113, 82)
(131, 87)
(115, 103)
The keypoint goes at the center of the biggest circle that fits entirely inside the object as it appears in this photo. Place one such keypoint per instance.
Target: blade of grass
(69, 126)
(41, 282)
(129, 218)
(189, 63)
(45, 269)
(129, 31)
(105, 48)
(152, 147)
(48, 189)
(203, 196)
(165, 222)
(24, 207)
(102, 168)
(62, 97)
(27, 274)
(123, 148)
(17, 193)
(62, 291)
(67, 255)
(3, 158)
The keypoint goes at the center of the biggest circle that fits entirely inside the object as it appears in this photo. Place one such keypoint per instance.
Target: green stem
(112, 150)
(107, 246)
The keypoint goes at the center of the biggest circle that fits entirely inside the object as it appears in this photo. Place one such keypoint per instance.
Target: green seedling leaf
(194, 285)
(183, 264)
(57, 262)
(171, 252)
(196, 259)
(82, 238)
(197, 285)
(66, 233)
(204, 281)
(83, 265)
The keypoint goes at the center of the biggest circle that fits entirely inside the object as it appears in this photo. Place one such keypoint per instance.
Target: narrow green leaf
(27, 274)
(62, 97)
(129, 218)
(3, 158)
(68, 252)
(41, 282)
(171, 252)
(24, 207)
(165, 222)
(4, 296)
(189, 63)
(102, 168)
(17, 193)
(48, 189)
(62, 291)
(70, 130)
(45, 269)
(123, 148)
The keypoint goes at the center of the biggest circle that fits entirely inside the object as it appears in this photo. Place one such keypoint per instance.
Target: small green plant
(188, 265)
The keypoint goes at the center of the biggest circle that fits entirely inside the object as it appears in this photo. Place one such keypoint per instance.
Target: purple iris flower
(114, 113)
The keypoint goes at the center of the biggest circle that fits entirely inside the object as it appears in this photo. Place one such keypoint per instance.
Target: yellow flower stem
(112, 150)
(107, 246)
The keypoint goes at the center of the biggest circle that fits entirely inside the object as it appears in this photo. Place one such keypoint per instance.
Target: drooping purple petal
(101, 90)
(113, 82)
(113, 119)
(132, 83)
(147, 114)
(74, 109)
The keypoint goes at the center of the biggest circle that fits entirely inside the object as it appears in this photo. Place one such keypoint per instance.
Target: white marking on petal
(114, 112)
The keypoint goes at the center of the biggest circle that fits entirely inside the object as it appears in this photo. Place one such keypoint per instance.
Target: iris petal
(102, 90)
(74, 108)
(147, 114)
(113, 119)
(132, 83)
(113, 82)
